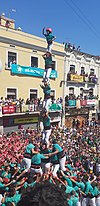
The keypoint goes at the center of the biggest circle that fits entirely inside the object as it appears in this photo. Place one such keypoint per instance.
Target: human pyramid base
(52, 167)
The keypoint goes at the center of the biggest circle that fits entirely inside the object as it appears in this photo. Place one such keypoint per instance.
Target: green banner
(55, 107)
(30, 71)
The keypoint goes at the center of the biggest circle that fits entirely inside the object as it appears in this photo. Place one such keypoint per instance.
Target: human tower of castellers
(67, 158)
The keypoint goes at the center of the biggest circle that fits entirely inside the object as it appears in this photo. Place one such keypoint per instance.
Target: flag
(13, 10)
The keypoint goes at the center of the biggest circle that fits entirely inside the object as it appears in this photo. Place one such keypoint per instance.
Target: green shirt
(16, 198)
(46, 121)
(69, 182)
(29, 148)
(54, 159)
(2, 186)
(95, 191)
(81, 185)
(3, 174)
(57, 147)
(49, 38)
(37, 159)
(88, 188)
(74, 200)
(48, 62)
(69, 167)
(46, 89)
(29, 185)
(70, 203)
(69, 189)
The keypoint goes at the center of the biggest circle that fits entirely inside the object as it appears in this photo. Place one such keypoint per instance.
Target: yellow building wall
(24, 83)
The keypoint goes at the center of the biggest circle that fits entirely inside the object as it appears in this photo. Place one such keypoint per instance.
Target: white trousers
(26, 163)
(55, 168)
(92, 201)
(62, 163)
(36, 171)
(49, 48)
(47, 103)
(85, 201)
(78, 203)
(46, 135)
(98, 201)
(47, 73)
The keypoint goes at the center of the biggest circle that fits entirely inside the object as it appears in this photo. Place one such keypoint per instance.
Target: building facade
(77, 72)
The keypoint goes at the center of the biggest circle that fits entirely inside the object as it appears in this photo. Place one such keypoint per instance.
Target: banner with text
(76, 78)
(91, 102)
(72, 102)
(30, 71)
(26, 120)
(8, 109)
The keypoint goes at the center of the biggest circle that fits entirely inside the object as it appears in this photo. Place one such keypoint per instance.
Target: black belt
(27, 156)
(97, 196)
(91, 196)
(61, 154)
(47, 127)
(35, 166)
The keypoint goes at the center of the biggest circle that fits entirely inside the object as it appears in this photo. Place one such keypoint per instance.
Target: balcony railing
(81, 103)
(11, 109)
(91, 79)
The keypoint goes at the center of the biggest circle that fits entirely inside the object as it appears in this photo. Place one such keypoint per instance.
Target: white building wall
(88, 63)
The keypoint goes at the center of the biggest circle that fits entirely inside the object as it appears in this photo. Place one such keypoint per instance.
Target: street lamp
(64, 89)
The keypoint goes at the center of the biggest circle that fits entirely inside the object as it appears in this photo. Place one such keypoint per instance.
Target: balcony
(78, 103)
(24, 108)
(82, 79)
(75, 78)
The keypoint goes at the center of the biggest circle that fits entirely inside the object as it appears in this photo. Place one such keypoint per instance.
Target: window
(91, 71)
(71, 91)
(72, 69)
(53, 65)
(11, 93)
(34, 61)
(33, 94)
(91, 92)
(81, 91)
(52, 94)
(12, 58)
(82, 70)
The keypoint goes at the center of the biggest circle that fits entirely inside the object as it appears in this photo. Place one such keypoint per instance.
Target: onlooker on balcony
(1, 101)
(40, 103)
(94, 79)
(21, 102)
(86, 77)
(27, 101)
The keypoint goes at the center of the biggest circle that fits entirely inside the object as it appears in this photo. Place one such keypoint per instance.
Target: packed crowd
(37, 102)
(70, 163)
(81, 97)
(20, 101)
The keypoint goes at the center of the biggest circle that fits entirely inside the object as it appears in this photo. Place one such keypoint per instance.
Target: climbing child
(47, 98)
(48, 66)
(49, 37)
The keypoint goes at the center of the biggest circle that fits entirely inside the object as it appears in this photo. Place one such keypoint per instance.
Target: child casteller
(49, 37)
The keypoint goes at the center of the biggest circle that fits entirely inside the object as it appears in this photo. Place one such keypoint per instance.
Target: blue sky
(76, 21)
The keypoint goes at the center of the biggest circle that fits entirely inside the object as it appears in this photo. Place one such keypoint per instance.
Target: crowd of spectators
(79, 185)
(81, 97)
(69, 45)
(90, 78)
(20, 101)
(36, 103)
